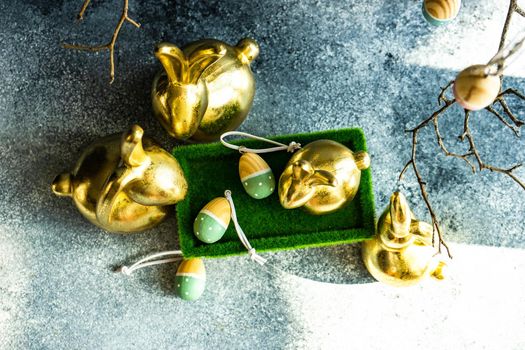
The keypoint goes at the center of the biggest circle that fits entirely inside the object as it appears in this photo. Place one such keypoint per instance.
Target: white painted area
(481, 306)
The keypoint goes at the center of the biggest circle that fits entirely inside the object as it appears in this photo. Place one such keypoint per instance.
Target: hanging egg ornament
(474, 89)
(256, 176)
(212, 221)
(190, 279)
(438, 12)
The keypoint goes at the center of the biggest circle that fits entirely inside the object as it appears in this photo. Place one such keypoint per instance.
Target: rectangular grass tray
(210, 169)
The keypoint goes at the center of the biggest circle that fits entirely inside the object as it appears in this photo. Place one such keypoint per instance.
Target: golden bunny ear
(174, 61)
(400, 215)
(202, 57)
(131, 149)
(304, 172)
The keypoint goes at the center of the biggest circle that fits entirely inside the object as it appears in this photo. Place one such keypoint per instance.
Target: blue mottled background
(323, 65)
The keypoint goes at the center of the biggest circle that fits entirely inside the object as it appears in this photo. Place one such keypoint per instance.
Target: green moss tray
(212, 168)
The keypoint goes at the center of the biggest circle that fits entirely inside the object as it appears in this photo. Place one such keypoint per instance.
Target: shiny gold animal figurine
(124, 183)
(206, 88)
(401, 253)
(322, 177)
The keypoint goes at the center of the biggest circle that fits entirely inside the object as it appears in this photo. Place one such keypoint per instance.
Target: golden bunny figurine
(206, 88)
(401, 253)
(124, 183)
(322, 177)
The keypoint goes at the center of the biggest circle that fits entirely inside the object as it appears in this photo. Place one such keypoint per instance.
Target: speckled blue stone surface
(372, 64)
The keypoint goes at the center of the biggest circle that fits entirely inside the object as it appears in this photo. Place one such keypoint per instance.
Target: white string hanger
(150, 261)
(240, 233)
(506, 56)
(291, 147)
(268, 266)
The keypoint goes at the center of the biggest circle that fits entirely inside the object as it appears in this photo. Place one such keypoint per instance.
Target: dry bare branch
(110, 46)
(472, 155)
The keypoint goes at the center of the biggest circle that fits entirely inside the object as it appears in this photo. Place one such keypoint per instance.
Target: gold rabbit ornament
(205, 89)
(124, 182)
(401, 253)
(322, 177)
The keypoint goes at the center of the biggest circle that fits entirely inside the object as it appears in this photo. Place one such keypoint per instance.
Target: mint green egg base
(260, 186)
(207, 229)
(189, 288)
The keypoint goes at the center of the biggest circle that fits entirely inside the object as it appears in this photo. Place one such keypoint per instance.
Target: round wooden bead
(438, 12)
(190, 279)
(474, 90)
(256, 176)
(213, 220)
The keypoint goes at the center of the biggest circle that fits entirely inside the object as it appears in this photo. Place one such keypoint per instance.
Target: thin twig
(520, 11)
(422, 186)
(509, 113)
(467, 133)
(434, 115)
(441, 144)
(501, 100)
(513, 5)
(422, 125)
(442, 97)
(80, 16)
(110, 46)
(506, 123)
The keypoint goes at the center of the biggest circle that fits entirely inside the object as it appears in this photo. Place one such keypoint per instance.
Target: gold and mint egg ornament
(190, 280)
(474, 89)
(438, 12)
(256, 176)
(212, 221)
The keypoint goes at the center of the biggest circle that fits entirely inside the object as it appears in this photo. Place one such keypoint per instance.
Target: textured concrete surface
(373, 64)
